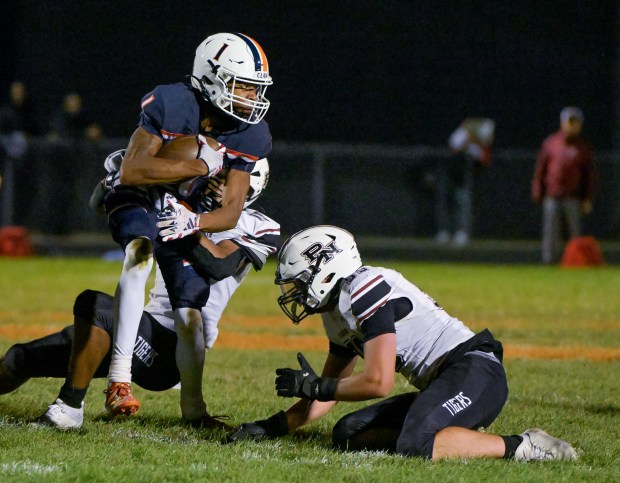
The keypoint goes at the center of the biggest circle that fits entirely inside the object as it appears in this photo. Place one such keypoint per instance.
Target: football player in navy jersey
(376, 314)
(82, 351)
(223, 100)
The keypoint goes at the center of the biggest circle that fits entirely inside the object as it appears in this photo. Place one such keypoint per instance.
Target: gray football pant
(555, 210)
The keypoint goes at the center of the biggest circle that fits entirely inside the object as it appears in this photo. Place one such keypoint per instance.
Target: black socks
(71, 396)
(512, 443)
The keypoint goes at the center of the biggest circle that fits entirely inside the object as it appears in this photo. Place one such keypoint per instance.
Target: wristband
(324, 389)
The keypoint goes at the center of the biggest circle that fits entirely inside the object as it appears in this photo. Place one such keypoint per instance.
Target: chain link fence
(372, 190)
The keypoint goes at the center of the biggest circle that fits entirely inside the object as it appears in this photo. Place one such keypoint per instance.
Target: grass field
(560, 328)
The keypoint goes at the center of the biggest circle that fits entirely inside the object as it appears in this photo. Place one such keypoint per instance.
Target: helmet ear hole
(329, 278)
(214, 88)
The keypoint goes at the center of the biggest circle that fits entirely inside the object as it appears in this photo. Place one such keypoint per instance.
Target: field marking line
(272, 341)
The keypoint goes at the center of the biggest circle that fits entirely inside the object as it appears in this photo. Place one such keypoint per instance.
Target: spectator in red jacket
(563, 182)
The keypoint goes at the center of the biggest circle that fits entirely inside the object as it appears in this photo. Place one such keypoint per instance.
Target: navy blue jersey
(173, 110)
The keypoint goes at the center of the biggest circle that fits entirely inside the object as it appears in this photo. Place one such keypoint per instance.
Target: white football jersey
(423, 337)
(257, 235)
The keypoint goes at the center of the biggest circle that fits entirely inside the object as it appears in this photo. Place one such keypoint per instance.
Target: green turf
(523, 305)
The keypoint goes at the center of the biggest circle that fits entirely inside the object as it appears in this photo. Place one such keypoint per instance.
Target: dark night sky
(381, 71)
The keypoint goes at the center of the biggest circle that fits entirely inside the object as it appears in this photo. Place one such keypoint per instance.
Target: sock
(128, 306)
(71, 396)
(120, 369)
(190, 359)
(512, 443)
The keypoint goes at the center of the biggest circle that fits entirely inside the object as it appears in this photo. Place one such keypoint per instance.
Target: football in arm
(184, 147)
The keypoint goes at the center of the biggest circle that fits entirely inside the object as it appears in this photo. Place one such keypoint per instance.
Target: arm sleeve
(211, 267)
(383, 320)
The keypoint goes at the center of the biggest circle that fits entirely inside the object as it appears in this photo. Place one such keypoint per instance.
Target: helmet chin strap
(206, 85)
(214, 68)
(315, 268)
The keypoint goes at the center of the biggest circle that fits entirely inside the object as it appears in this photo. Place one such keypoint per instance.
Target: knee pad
(84, 306)
(345, 429)
(14, 359)
(341, 434)
(89, 302)
(188, 321)
(90, 305)
(131, 222)
(139, 252)
(416, 444)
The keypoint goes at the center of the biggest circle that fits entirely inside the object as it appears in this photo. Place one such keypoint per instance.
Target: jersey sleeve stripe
(147, 101)
(275, 231)
(375, 280)
(362, 317)
(367, 303)
(231, 153)
(169, 136)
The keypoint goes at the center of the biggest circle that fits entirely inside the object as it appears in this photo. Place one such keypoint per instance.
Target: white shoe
(538, 445)
(60, 415)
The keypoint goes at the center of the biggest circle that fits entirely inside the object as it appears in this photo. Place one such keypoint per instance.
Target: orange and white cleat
(120, 399)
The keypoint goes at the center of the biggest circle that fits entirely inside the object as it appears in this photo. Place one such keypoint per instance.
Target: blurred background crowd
(428, 118)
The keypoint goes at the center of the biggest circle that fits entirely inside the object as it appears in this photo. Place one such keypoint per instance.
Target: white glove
(176, 221)
(212, 158)
(114, 160)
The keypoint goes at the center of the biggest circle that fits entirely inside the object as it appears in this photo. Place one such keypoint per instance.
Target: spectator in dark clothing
(71, 123)
(564, 180)
(18, 121)
(19, 113)
(73, 146)
(471, 145)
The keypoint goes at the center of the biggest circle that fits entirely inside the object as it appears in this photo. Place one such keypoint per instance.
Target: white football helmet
(224, 60)
(259, 177)
(311, 264)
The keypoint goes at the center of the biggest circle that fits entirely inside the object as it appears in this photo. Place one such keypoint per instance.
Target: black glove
(305, 383)
(272, 427)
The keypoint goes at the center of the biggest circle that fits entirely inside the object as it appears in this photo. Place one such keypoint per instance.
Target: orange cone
(582, 251)
(14, 242)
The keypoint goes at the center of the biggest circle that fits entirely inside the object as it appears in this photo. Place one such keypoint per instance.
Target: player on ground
(375, 313)
(224, 100)
(82, 351)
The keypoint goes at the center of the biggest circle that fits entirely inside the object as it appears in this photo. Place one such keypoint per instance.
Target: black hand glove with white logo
(305, 383)
(272, 427)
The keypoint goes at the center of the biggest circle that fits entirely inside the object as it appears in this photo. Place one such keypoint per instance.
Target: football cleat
(206, 421)
(61, 416)
(538, 446)
(120, 399)
(8, 381)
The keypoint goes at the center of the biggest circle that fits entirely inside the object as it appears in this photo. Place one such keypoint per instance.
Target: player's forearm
(362, 388)
(142, 167)
(304, 412)
(224, 218)
(377, 379)
(152, 171)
